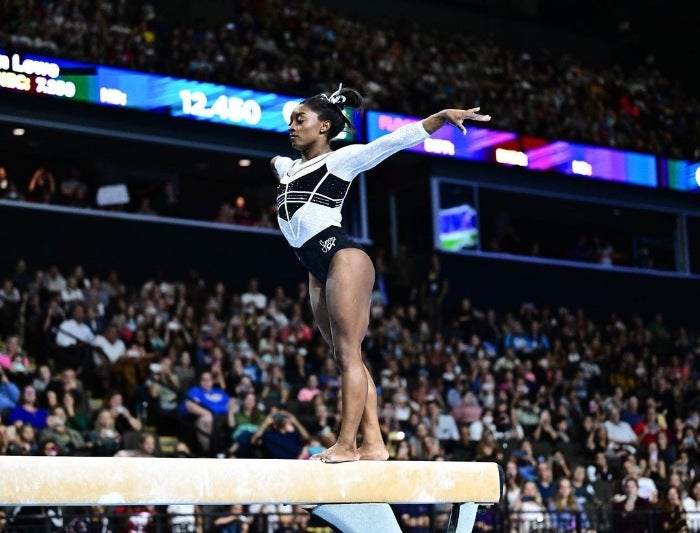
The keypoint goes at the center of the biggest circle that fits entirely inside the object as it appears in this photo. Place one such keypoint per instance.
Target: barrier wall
(138, 247)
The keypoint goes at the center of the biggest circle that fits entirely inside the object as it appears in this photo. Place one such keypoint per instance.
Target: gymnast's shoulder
(280, 165)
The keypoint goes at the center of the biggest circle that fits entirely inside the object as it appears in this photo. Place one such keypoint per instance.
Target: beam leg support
(462, 518)
(358, 517)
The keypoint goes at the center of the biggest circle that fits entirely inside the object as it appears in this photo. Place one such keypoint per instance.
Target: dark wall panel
(138, 249)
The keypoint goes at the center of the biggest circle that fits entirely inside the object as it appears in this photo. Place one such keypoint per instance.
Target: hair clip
(337, 98)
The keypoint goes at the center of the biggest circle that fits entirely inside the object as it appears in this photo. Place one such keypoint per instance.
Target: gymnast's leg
(341, 309)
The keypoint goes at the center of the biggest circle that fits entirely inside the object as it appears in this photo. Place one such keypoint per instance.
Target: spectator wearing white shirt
(254, 296)
(72, 292)
(619, 431)
(74, 340)
(691, 504)
(109, 349)
(443, 424)
(54, 282)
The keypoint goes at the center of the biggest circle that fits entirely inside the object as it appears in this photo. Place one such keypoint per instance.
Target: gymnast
(310, 198)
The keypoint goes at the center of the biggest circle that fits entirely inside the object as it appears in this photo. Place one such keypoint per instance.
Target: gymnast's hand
(456, 117)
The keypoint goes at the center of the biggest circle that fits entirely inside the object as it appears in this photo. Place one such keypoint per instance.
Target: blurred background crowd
(93, 366)
(631, 102)
(594, 415)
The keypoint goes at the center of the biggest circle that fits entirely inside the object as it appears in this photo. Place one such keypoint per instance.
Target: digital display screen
(680, 175)
(512, 149)
(164, 95)
(457, 228)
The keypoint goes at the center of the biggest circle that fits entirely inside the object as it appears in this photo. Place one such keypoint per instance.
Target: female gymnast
(310, 198)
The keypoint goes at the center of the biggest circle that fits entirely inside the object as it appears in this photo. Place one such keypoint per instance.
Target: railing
(495, 519)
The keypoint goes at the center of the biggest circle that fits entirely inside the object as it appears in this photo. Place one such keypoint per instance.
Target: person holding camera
(104, 440)
(281, 436)
(67, 439)
(124, 420)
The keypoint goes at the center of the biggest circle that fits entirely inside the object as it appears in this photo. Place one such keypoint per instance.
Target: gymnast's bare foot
(373, 452)
(337, 454)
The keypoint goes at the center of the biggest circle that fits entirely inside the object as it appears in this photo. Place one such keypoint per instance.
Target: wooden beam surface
(159, 481)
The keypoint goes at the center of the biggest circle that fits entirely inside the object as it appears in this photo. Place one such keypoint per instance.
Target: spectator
(514, 482)
(631, 512)
(14, 361)
(42, 186)
(208, 406)
(467, 409)
(630, 413)
(162, 393)
(69, 440)
(308, 392)
(691, 505)
(599, 470)
(635, 468)
(281, 436)
(673, 517)
(647, 430)
(72, 293)
(683, 466)
(74, 340)
(27, 411)
(10, 302)
(566, 513)
(104, 440)
(230, 519)
(442, 424)
(619, 432)
(27, 442)
(124, 419)
(147, 446)
(271, 518)
(185, 371)
(108, 349)
(68, 391)
(244, 422)
(425, 446)
(253, 296)
(184, 518)
(544, 480)
(583, 489)
(276, 389)
(9, 393)
(529, 512)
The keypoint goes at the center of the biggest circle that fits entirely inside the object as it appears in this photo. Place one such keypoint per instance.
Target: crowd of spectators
(594, 419)
(402, 67)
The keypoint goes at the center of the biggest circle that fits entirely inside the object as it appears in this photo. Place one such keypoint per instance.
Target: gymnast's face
(306, 129)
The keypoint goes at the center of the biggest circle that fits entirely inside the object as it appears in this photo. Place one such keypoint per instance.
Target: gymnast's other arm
(350, 160)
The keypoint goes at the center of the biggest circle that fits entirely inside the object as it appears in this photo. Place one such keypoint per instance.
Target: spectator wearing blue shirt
(208, 405)
(27, 412)
(543, 480)
(566, 513)
(281, 435)
(9, 393)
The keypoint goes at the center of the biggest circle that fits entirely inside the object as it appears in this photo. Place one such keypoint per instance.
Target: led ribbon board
(164, 95)
(512, 149)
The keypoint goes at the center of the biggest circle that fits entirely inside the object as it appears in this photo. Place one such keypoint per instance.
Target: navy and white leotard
(310, 194)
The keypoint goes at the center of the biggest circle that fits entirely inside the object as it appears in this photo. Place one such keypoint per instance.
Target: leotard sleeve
(280, 165)
(348, 161)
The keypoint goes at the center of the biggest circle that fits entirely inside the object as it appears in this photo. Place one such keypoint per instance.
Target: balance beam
(66, 481)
